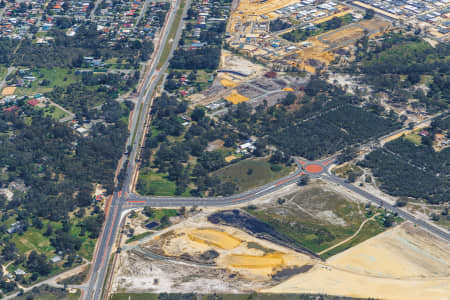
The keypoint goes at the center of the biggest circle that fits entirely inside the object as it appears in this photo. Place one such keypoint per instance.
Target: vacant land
(316, 217)
(251, 173)
(302, 34)
(54, 112)
(47, 80)
(155, 184)
(144, 225)
(132, 296)
(202, 256)
(46, 292)
(403, 263)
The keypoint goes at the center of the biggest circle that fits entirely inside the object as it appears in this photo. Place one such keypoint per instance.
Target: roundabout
(313, 168)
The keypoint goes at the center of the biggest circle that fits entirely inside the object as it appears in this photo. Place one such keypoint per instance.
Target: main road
(151, 78)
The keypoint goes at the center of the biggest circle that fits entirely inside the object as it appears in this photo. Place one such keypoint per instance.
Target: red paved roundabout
(314, 168)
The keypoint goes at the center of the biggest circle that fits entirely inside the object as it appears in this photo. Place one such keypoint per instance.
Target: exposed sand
(238, 252)
(403, 263)
(231, 62)
(270, 260)
(213, 237)
(336, 282)
(236, 98)
(404, 252)
(8, 91)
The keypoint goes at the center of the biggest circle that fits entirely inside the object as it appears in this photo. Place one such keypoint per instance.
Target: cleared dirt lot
(197, 255)
(352, 32)
(403, 263)
(404, 252)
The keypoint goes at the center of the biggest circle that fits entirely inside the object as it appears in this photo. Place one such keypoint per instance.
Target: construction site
(249, 32)
(200, 253)
(240, 80)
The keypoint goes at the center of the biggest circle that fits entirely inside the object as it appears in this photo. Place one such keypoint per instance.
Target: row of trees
(326, 121)
(405, 169)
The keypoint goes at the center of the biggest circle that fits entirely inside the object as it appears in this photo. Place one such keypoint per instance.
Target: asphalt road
(101, 257)
(405, 215)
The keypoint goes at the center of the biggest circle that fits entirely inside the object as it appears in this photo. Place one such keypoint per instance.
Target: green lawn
(57, 77)
(33, 239)
(3, 71)
(54, 112)
(88, 244)
(152, 183)
(251, 173)
(414, 138)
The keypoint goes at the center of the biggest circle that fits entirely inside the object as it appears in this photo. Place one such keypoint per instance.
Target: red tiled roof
(33, 102)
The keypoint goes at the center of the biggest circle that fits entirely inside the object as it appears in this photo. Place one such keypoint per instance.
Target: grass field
(251, 173)
(171, 36)
(346, 169)
(54, 112)
(34, 239)
(315, 218)
(77, 278)
(137, 237)
(302, 34)
(56, 77)
(49, 293)
(369, 230)
(152, 183)
(414, 138)
(3, 71)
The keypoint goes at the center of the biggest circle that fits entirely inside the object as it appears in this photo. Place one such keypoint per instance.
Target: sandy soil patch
(214, 145)
(235, 97)
(336, 282)
(268, 261)
(215, 238)
(404, 252)
(139, 274)
(241, 65)
(245, 268)
(403, 263)
(228, 83)
(8, 91)
(230, 158)
(237, 251)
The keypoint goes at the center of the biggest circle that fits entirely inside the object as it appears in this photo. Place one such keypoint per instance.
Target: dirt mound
(215, 238)
(271, 260)
(244, 221)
